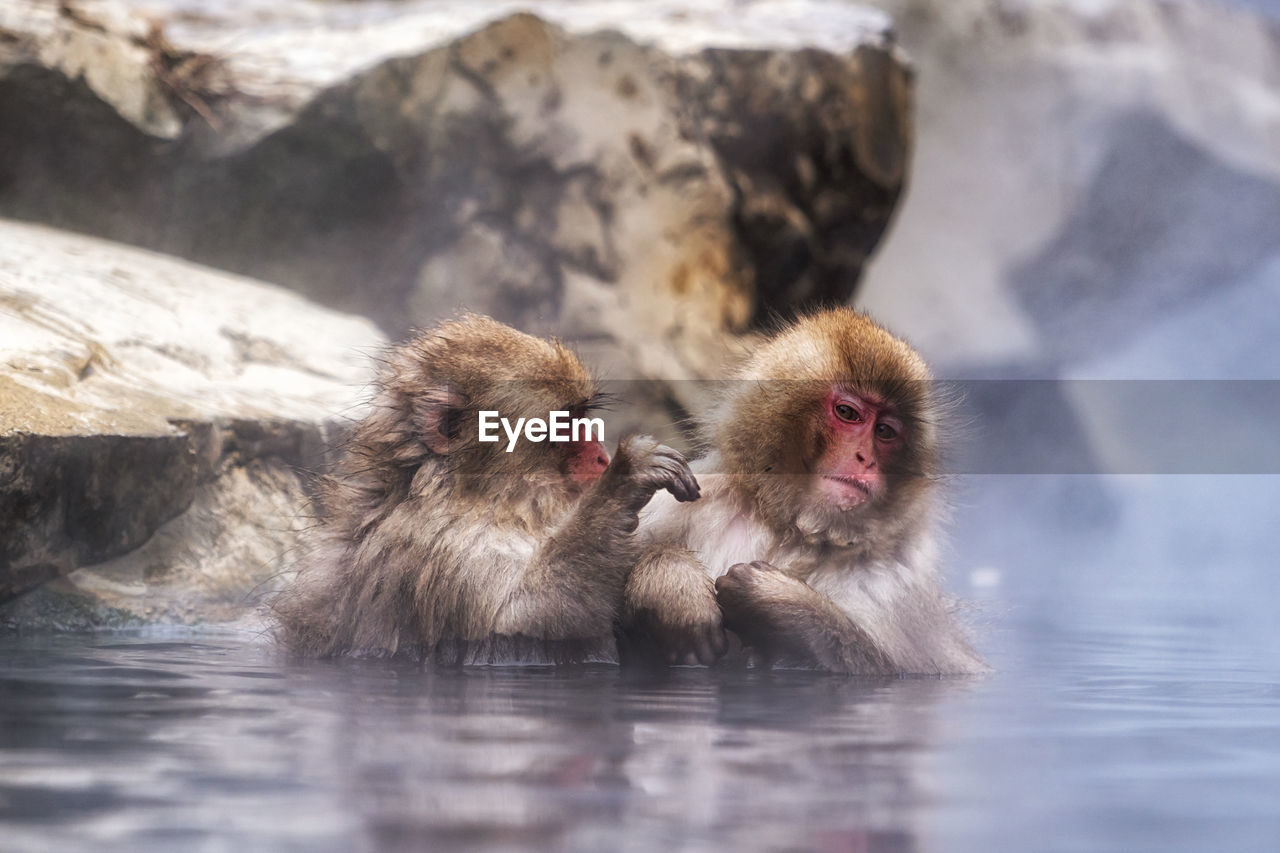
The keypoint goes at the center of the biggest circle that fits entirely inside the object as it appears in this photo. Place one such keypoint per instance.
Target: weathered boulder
(650, 192)
(1088, 174)
(156, 422)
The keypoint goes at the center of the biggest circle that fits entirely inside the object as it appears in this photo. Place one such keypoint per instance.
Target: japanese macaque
(818, 501)
(436, 544)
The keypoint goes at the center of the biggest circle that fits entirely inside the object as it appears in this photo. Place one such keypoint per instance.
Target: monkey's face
(550, 438)
(860, 434)
(583, 461)
(832, 431)
(820, 455)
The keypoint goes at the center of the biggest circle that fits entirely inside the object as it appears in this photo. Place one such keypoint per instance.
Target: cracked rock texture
(154, 420)
(615, 188)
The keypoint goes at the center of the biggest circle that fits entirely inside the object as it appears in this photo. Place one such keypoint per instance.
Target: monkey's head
(433, 388)
(830, 430)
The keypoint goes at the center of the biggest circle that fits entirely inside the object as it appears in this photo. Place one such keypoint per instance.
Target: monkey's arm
(669, 611)
(782, 617)
(574, 581)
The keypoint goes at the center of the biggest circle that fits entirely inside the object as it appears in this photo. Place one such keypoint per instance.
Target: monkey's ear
(437, 412)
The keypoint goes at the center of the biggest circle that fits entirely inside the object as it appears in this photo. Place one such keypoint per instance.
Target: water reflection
(139, 744)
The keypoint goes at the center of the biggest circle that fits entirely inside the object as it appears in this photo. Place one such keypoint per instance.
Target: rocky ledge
(614, 174)
(155, 421)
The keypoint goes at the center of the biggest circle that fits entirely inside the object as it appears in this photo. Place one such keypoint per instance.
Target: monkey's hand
(669, 613)
(642, 466)
(761, 605)
(782, 617)
(600, 531)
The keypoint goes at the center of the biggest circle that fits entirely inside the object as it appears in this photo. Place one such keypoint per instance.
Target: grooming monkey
(818, 500)
(438, 545)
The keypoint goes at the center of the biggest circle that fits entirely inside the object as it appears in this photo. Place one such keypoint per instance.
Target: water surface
(1136, 707)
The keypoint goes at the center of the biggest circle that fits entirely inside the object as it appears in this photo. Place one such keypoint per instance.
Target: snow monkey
(818, 499)
(439, 542)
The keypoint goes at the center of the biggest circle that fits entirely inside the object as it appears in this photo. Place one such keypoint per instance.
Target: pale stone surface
(298, 46)
(1086, 171)
(96, 337)
(108, 54)
(155, 421)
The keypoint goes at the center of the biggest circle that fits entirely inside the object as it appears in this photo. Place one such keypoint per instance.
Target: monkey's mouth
(865, 488)
(849, 491)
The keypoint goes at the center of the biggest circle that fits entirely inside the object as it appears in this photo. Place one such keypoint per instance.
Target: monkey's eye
(885, 432)
(845, 412)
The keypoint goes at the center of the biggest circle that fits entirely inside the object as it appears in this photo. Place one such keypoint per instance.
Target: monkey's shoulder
(692, 524)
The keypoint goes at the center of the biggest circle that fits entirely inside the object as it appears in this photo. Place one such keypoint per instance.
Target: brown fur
(670, 611)
(435, 545)
(800, 580)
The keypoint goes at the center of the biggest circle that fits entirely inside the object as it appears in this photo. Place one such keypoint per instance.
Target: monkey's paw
(693, 635)
(651, 466)
(760, 603)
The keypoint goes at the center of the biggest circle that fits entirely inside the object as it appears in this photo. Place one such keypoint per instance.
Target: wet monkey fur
(813, 539)
(436, 545)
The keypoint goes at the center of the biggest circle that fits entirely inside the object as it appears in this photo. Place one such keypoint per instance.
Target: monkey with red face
(819, 498)
(437, 542)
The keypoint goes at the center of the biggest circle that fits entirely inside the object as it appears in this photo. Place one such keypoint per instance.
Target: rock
(1086, 172)
(1115, 268)
(102, 57)
(155, 421)
(816, 157)
(651, 194)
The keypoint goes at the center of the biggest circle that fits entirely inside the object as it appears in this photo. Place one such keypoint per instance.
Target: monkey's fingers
(738, 594)
(712, 645)
(688, 488)
(703, 647)
(685, 487)
(679, 478)
(719, 642)
(701, 643)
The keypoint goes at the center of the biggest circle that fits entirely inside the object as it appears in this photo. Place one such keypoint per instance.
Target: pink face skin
(862, 434)
(585, 461)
